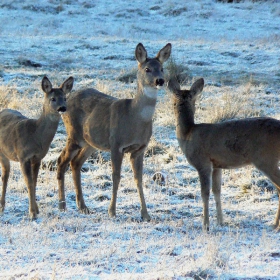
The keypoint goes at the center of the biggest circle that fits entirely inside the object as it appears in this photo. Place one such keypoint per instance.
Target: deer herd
(96, 121)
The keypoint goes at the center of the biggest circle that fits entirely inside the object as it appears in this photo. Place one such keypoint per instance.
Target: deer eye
(64, 98)
(148, 70)
(53, 99)
(161, 70)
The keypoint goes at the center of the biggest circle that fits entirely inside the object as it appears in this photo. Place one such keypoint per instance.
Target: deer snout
(61, 109)
(159, 82)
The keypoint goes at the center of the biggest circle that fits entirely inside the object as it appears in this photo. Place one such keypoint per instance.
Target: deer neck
(184, 120)
(46, 127)
(144, 103)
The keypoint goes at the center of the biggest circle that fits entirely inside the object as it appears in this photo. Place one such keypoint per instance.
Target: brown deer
(28, 140)
(95, 120)
(230, 144)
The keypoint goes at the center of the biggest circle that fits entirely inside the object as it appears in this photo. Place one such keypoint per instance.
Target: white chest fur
(151, 92)
(147, 113)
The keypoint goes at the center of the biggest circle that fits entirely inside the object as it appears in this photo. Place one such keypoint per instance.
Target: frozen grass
(9, 97)
(229, 103)
(234, 47)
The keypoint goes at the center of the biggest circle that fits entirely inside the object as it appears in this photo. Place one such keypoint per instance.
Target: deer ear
(140, 53)
(164, 53)
(46, 85)
(67, 85)
(197, 87)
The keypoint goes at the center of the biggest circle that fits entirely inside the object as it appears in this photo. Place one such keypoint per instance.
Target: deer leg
(67, 154)
(116, 158)
(205, 176)
(273, 173)
(27, 173)
(5, 176)
(277, 218)
(76, 165)
(216, 188)
(136, 160)
(35, 171)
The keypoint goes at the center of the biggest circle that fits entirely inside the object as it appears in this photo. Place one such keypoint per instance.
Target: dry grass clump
(9, 97)
(226, 103)
(128, 77)
(164, 115)
(102, 86)
(118, 90)
(4, 97)
(155, 148)
(179, 71)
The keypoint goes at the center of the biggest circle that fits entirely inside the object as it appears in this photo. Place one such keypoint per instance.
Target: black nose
(159, 82)
(61, 109)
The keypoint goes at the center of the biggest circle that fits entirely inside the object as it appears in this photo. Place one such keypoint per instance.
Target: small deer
(95, 120)
(230, 144)
(27, 140)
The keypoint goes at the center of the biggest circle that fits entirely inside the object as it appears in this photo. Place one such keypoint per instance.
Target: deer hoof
(32, 216)
(2, 207)
(112, 213)
(37, 208)
(82, 207)
(145, 216)
(275, 227)
(206, 228)
(62, 205)
(85, 210)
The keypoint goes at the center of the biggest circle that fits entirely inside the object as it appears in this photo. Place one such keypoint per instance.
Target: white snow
(235, 47)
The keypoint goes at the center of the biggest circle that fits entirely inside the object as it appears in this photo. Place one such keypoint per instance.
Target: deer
(211, 147)
(27, 140)
(96, 121)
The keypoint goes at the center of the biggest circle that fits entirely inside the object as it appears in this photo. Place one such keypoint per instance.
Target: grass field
(235, 47)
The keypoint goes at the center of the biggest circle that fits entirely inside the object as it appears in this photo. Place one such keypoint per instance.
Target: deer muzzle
(61, 109)
(159, 82)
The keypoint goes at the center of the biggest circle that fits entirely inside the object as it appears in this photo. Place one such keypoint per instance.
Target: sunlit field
(234, 47)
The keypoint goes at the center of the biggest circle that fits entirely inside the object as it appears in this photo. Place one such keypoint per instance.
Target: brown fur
(28, 140)
(95, 120)
(231, 144)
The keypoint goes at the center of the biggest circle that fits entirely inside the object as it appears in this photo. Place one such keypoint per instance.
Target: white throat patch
(150, 92)
(147, 113)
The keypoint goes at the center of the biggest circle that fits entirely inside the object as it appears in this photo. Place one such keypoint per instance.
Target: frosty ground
(235, 47)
